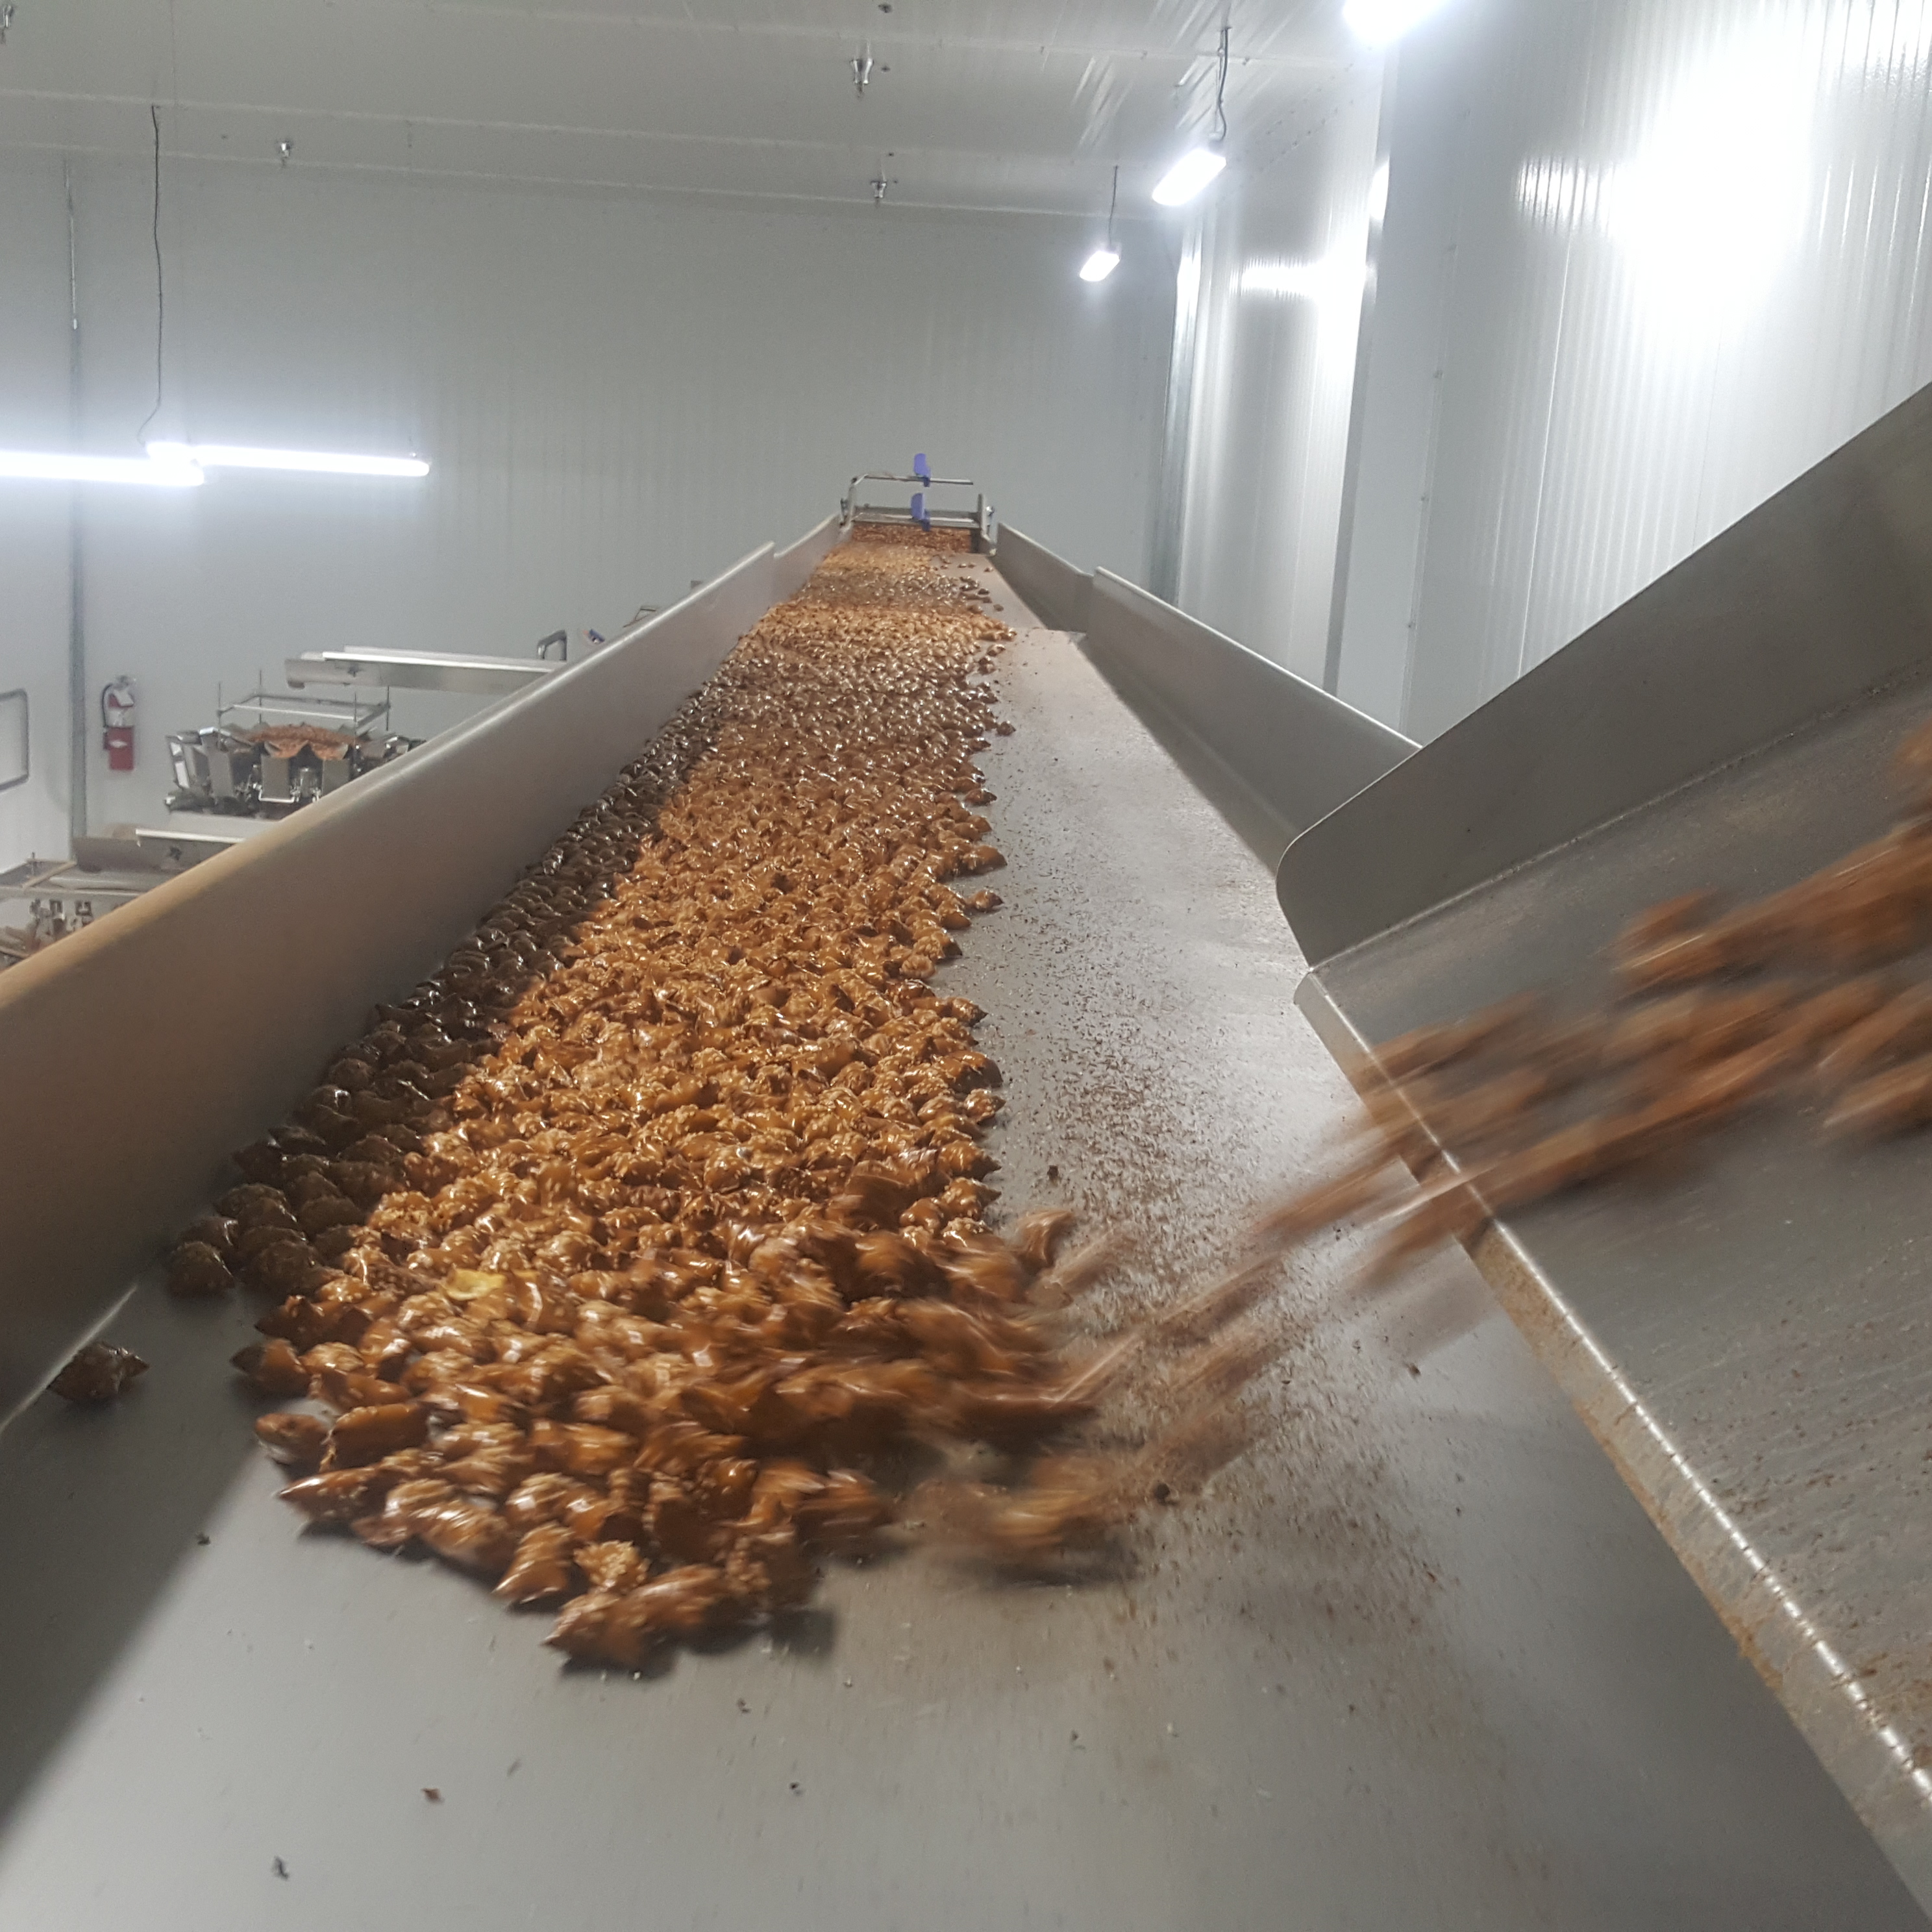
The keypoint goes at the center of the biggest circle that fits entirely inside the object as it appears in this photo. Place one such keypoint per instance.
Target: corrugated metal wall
(619, 396)
(1666, 255)
(1283, 254)
(1643, 262)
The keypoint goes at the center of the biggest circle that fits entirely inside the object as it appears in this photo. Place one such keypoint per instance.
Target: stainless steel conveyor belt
(1420, 1661)
(1751, 1343)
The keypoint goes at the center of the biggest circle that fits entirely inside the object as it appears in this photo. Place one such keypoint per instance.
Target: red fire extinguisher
(117, 721)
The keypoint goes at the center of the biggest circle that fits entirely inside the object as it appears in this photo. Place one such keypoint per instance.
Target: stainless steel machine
(48, 899)
(268, 752)
(299, 747)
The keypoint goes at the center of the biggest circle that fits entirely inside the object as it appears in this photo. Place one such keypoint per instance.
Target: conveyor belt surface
(1420, 1661)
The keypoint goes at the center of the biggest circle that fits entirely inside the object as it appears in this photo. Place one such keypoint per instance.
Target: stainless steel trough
(1753, 1343)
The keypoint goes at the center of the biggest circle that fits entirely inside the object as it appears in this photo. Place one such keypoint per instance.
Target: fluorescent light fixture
(51, 466)
(318, 462)
(1189, 176)
(1099, 265)
(1381, 21)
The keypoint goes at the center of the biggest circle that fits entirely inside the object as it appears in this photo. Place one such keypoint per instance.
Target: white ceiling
(1013, 105)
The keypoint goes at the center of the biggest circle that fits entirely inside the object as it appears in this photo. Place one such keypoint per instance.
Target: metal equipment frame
(982, 519)
(347, 714)
(421, 671)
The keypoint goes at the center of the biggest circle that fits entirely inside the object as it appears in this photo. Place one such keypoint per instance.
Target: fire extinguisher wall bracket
(117, 723)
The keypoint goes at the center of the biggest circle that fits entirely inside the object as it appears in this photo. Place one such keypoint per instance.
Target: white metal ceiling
(987, 104)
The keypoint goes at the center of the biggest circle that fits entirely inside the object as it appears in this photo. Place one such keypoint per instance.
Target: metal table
(1420, 1661)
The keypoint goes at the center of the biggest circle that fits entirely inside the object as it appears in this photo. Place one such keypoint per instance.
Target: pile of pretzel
(1801, 995)
(639, 1260)
(288, 741)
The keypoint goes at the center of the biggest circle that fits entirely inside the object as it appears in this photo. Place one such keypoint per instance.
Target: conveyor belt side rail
(233, 981)
(1294, 752)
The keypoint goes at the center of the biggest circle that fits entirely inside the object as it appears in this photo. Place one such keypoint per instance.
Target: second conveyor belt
(1748, 1335)
(1419, 1660)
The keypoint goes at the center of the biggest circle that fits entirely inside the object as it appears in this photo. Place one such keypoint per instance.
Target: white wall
(1283, 251)
(33, 526)
(1643, 263)
(619, 396)
(1689, 260)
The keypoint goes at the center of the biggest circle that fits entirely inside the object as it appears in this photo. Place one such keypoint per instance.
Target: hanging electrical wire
(160, 284)
(1205, 160)
(1189, 175)
(1221, 90)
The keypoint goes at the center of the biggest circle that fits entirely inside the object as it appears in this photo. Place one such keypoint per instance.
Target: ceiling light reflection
(1326, 280)
(1382, 22)
(1709, 210)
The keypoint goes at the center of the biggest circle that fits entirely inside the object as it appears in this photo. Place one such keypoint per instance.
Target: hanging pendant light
(1106, 259)
(1204, 161)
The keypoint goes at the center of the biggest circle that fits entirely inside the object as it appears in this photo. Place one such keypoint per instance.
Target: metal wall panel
(33, 528)
(613, 390)
(1821, 594)
(1057, 592)
(792, 566)
(1644, 263)
(1300, 751)
(1283, 256)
